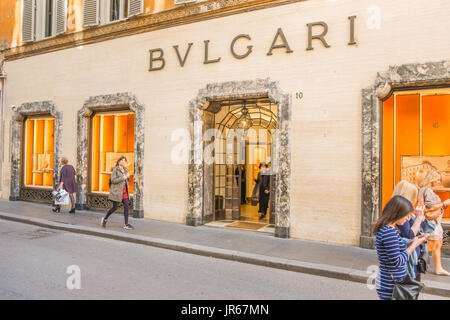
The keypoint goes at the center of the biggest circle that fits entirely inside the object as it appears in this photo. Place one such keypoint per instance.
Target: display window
(112, 136)
(415, 139)
(38, 152)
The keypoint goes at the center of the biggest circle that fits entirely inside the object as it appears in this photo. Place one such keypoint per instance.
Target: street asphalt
(35, 261)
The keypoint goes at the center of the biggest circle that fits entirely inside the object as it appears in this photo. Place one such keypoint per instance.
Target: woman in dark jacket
(67, 182)
(264, 189)
(411, 228)
(119, 191)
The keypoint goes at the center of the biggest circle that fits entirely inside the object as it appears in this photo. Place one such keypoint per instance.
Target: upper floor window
(43, 19)
(104, 11)
(48, 23)
(117, 10)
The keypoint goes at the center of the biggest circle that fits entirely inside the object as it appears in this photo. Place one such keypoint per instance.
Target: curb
(347, 274)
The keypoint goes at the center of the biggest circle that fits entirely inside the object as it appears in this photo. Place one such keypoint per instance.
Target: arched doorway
(243, 140)
(202, 111)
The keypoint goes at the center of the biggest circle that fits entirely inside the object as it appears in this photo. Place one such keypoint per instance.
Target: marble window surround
(434, 74)
(234, 90)
(107, 103)
(20, 113)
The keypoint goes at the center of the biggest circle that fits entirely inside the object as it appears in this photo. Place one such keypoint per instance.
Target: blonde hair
(64, 161)
(431, 176)
(407, 190)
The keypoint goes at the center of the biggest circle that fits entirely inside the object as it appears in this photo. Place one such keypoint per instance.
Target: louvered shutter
(61, 16)
(135, 7)
(90, 13)
(28, 20)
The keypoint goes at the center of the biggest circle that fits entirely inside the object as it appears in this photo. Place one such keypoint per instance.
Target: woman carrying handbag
(434, 212)
(119, 191)
(392, 252)
(67, 182)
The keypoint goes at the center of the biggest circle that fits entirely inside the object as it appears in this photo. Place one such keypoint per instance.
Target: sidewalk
(329, 260)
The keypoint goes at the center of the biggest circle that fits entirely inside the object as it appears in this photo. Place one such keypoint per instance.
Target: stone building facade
(328, 66)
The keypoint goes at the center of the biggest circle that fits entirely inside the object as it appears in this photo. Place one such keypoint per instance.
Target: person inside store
(68, 183)
(412, 227)
(243, 185)
(393, 253)
(433, 212)
(119, 191)
(243, 182)
(264, 189)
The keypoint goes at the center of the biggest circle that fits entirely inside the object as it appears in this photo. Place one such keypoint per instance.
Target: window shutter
(90, 13)
(61, 16)
(28, 20)
(135, 7)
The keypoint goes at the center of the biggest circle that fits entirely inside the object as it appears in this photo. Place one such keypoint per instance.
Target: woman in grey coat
(119, 191)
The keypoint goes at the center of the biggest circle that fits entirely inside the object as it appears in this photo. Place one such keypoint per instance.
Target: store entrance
(244, 131)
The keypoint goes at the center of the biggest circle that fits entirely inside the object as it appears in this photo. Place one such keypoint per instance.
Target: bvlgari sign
(316, 31)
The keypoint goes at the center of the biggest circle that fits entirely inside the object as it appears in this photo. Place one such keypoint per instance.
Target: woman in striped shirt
(391, 250)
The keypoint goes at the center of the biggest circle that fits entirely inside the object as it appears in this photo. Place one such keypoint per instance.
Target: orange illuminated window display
(112, 136)
(38, 152)
(415, 139)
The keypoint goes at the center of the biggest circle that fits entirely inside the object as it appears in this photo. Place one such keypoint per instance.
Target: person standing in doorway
(243, 185)
(68, 183)
(119, 191)
(264, 189)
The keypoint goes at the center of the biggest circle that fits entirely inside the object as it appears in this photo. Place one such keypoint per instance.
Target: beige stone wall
(326, 123)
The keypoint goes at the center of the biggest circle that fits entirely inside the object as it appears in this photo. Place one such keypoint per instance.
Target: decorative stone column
(395, 78)
(30, 109)
(107, 103)
(235, 90)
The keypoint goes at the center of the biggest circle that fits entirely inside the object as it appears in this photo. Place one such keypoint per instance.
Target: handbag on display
(406, 288)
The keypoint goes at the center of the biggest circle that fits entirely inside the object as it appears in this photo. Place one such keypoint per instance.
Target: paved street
(36, 261)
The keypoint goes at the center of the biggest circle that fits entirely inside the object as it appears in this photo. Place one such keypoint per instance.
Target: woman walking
(391, 250)
(68, 183)
(119, 191)
(434, 212)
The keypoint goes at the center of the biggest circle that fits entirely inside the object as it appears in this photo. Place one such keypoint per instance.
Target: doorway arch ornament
(237, 90)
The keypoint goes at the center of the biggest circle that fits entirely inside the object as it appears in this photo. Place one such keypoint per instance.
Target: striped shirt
(392, 258)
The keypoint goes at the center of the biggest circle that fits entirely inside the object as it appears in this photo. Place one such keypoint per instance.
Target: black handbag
(407, 289)
(422, 265)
